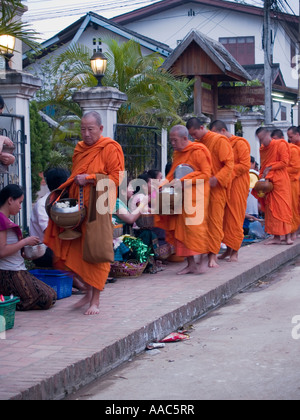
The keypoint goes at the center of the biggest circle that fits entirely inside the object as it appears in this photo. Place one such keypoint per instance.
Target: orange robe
(190, 239)
(103, 157)
(222, 167)
(294, 174)
(235, 209)
(298, 145)
(277, 204)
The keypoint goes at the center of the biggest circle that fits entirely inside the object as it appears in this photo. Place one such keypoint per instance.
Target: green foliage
(154, 95)
(11, 25)
(40, 134)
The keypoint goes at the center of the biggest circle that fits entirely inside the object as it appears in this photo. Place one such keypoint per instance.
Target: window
(283, 113)
(96, 43)
(241, 48)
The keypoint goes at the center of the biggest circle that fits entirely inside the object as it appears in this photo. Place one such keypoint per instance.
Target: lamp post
(7, 45)
(98, 64)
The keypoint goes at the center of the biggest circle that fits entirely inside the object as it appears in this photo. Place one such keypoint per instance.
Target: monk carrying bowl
(263, 186)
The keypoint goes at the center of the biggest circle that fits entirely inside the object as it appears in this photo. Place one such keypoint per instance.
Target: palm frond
(11, 25)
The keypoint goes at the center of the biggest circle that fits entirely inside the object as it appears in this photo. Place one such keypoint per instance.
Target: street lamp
(7, 46)
(98, 64)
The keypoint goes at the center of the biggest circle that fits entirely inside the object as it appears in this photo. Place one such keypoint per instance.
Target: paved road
(246, 350)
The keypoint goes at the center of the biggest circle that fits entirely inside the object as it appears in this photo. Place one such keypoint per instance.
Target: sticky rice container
(35, 251)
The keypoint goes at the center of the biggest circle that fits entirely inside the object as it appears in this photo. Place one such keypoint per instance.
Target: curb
(70, 377)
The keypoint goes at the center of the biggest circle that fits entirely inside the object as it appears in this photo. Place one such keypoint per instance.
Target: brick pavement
(48, 354)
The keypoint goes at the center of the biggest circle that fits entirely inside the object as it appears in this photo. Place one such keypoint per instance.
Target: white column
(250, 122)
(17, 88)
(105, 100)
(229, 117)
(164, 150)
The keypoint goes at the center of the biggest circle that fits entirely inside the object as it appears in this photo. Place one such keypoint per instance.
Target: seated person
(6, 157)
(54, 177)
(14, 277)
(122, 214)
(165, 249)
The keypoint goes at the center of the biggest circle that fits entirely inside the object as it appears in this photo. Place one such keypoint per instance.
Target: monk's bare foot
(233, 257)
(93, 310)
(212, 261)
(225, 254)
(274, 241)
(293, 236)
(202, 264)
(188, 269)
(83, 301)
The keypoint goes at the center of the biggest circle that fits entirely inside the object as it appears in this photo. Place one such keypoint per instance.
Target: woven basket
(145, 221)
(129, 268)
(7, 313)
(118, 231)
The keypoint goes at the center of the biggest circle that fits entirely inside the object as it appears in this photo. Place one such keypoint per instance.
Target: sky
(48, 17)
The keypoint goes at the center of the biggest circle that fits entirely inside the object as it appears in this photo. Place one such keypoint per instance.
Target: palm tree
(154, 95)
(11, 25)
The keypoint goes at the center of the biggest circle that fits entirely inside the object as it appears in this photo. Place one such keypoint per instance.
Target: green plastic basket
(7, 313)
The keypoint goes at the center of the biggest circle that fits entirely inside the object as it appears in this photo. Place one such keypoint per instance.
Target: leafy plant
(11, 25)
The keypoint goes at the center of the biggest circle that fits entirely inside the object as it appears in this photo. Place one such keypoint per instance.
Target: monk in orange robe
(187, 229)
(235, 208)
(294, 174)
(94, 155)
(220, 181)
(293, 133)
(277, 204)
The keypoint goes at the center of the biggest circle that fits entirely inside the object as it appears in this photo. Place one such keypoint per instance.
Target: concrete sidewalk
(49, 354)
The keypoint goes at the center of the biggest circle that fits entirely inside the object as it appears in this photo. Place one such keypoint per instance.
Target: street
(246, 350)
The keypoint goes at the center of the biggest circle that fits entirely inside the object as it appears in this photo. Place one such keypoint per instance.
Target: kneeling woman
(14, 277)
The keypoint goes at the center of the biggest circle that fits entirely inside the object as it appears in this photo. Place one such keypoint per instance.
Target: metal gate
(12, 126)
(141, 146)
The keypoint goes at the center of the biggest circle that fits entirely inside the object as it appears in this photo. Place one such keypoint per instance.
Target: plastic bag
(256, 230)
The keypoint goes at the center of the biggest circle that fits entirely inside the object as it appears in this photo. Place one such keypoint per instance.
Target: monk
(93, 155)
(294, 141)
(235, 208)
(220, 181)
(187, 230)
(277, 204)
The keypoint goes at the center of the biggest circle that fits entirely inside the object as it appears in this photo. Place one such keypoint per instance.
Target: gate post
(250, 122)
(104, 99)
(17, 88)
(164, 150)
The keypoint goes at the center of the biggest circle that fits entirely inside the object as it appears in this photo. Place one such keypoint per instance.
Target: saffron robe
(298, 145)
(103, 157)
(190, 227)
(277, 204)
(222, 167)
(235, 208)
(294, 174)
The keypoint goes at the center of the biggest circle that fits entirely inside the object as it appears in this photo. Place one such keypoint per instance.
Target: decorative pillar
(229, 117)
(17, 88)
(104, 99)
(250, 122)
